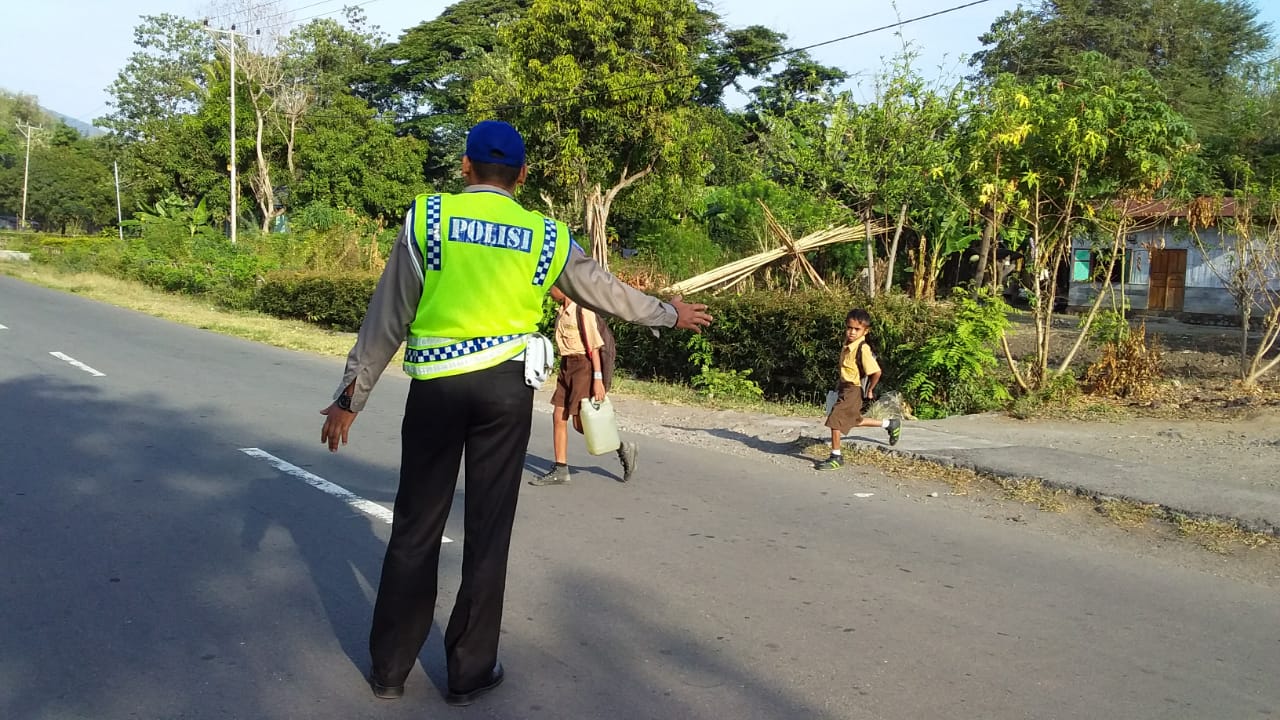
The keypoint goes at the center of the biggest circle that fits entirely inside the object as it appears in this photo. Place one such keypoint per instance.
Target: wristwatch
(344, 402)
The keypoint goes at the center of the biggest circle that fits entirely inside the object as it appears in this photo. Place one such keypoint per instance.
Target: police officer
(464, 283)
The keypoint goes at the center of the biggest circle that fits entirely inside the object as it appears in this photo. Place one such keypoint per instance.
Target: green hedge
(790, 343)
(335, 301)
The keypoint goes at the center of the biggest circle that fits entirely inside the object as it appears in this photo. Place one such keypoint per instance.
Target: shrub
(1108, 326)
(678, 250)
(953, 370)
(335, 301)
(712, 381)
(1129, 367)
(789, 343)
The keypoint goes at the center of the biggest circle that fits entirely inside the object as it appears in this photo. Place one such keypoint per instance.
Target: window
(1090, 266)
(1119, 271)
(1080, 266)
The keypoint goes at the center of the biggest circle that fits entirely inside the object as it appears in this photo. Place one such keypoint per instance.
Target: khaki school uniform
(847, 412)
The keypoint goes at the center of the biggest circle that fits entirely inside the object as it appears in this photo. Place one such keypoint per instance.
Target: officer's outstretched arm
(595, 288)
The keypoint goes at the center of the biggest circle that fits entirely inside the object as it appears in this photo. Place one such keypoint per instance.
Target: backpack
(608, 351)
(862, 369)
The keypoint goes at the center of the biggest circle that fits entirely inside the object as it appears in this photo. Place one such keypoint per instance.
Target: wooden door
(1168, 279)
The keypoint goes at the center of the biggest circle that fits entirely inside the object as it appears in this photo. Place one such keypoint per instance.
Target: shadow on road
(150, 569)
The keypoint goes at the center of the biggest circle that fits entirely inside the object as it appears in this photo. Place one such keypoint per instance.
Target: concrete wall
(1204, 292)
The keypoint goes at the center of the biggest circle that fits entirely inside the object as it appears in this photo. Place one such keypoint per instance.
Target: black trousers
(488, 413)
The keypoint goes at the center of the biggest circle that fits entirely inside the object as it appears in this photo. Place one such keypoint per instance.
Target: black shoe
(627, 456)
(457, 699)
(835, 462)
(557, 475)
(386, 692)
(894, 430)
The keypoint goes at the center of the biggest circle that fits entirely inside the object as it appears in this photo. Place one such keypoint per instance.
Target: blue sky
(68, 51)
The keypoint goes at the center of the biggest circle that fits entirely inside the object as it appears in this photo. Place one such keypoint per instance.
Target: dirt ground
(1200, 371)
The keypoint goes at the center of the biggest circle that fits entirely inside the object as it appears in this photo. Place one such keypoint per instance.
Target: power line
(240, 11)
(689, 76)
(268, 20)
(647, 83)
(674, 77)
(317, 15)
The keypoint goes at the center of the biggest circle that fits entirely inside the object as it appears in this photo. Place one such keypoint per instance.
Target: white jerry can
(599, 426)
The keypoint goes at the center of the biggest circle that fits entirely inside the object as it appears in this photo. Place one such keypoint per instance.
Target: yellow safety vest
(487, 263)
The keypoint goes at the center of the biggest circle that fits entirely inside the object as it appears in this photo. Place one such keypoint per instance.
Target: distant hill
(83, 127)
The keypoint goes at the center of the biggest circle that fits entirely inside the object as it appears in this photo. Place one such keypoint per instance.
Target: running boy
(859, 374)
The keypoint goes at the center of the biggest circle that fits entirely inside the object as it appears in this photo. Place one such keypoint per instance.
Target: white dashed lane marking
(76, 363)
(367, 507)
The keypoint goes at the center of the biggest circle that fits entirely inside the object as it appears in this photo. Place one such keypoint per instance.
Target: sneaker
(832, 463)
(894, 430)
(557, 475)
(627, 456)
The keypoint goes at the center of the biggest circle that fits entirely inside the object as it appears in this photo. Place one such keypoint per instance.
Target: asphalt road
(150, 568)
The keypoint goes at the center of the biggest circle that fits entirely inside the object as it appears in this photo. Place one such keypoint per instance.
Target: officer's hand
(337, 423)
(597, 391)
(690, 316)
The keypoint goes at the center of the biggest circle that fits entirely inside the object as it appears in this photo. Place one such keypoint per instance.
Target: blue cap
(494, 141)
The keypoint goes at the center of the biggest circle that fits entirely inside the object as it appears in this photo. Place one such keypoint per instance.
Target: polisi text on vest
(490, 234)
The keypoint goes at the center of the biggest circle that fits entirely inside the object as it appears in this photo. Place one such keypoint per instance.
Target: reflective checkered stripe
(548, 251)
(455, 358)
(431, 233)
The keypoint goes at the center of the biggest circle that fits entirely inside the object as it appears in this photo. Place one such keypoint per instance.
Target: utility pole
(235, 188)
(115, 167)
(26, 169)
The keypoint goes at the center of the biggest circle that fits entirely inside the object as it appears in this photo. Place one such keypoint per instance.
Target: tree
(321, 63)
(162, 79)
(348, 157)
(985, 171)
(601, 92)
(1196, 50)
(15, 111)
(333, 57)
(802, 80)
(430, 70)
(427, 77)
(70, 187)
(730, 55)
(1076, 146)
(1249, 270)
(263, 75)
(875, 157)
(1249, 151)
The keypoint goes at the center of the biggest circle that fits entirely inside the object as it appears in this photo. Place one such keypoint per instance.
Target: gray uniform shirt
(395, 303)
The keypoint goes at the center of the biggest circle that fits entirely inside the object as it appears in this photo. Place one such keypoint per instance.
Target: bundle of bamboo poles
(728, 275)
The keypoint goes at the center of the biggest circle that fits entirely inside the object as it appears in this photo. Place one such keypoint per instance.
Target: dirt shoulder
(1200, 374)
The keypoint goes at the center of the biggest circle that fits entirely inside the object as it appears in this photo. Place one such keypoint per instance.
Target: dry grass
(290, 334)
(960, 480)
(1215, 535)
(1219, 536)
(1198, 363)
(1129, 514)
(1127, 368)
(1030, 491)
